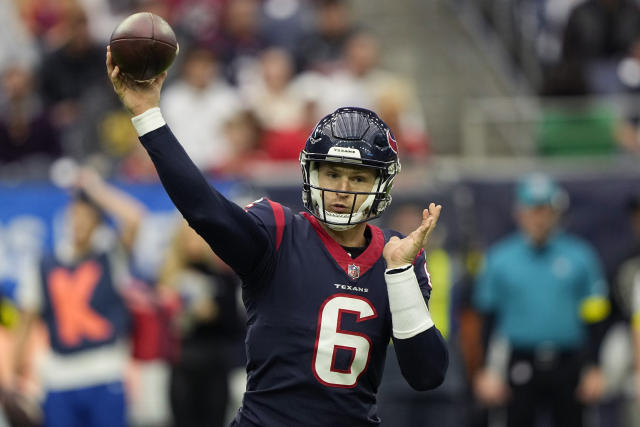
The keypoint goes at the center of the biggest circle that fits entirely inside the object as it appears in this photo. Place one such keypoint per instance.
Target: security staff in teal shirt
(543, 288)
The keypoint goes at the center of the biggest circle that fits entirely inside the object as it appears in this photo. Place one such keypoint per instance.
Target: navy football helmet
(350, 136)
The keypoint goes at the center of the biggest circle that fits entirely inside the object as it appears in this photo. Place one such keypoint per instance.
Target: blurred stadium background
(478, 92)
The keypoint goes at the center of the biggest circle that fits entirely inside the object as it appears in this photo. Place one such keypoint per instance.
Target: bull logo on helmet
(316, 135)
(392, 142)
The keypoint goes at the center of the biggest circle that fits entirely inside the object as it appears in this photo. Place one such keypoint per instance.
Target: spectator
(566, 79)
(357, 78)
(321, 49)
(137, 166)
(240, 40)
(197, 22)
(201, 96)
(244, 133)
(18, 406)
(270, 95)
(360, 81)
(103, 17)
(598, 29)
(209, 326)
(629, 72)
(597, 35)
(76, 292)
(161, 8)
(118, 140)
(44, 20)
(17, 47)
(73, 86)
(26, 134)
(399, 107)
(627, 289)
(543, 287)
(285, 21)
(279, 107)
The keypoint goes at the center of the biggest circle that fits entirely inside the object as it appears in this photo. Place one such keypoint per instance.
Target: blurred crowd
(576, 52)
(250, 81)
(594, 41)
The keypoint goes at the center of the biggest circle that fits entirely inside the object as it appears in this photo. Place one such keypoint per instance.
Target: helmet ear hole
(381, 143)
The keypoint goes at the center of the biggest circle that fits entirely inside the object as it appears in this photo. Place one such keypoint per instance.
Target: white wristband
(148, 121)
(409, 312)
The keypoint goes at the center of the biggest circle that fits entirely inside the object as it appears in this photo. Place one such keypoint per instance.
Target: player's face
(84, 220)
(537, 222)
(344, 178)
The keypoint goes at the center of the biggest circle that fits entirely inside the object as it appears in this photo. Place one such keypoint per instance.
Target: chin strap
(339, 227)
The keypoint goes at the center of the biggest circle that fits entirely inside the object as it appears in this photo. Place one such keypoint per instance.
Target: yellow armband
(635, 321)
(594, 309)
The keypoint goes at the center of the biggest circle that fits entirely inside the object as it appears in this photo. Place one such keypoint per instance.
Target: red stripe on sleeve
(278, 214)
(420, 252)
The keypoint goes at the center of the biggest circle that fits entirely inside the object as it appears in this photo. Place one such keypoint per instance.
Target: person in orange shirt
(77, 294)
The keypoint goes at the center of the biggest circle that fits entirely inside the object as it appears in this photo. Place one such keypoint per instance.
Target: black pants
(542, 382)
(199, 397)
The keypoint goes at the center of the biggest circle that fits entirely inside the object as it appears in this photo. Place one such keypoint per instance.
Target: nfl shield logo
(353, 271)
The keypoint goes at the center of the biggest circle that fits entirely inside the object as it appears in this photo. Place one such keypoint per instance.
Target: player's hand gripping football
(398, 252)
(136, 96)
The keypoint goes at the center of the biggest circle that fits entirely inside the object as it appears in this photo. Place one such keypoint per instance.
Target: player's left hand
(398, 252)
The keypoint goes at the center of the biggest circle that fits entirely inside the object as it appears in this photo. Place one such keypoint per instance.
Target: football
(143, 45)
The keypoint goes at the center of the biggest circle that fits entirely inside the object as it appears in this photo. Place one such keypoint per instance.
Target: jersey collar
(365, 261)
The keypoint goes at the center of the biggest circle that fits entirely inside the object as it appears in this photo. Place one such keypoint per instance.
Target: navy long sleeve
(225, 226)
(423, 359)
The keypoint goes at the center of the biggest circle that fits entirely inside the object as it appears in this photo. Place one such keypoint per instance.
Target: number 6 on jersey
(330, 338)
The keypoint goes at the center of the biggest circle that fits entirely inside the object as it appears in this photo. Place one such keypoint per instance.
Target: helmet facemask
(314, 196)
(350, 136)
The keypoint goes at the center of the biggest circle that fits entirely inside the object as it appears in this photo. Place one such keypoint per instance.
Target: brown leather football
(143, 45)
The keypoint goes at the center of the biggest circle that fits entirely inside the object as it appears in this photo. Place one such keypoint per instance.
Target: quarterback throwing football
(324, 290)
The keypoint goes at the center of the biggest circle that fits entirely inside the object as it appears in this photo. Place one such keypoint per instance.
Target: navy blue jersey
(319, 325)
(318, 320)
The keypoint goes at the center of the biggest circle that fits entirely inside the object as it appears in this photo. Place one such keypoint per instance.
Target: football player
(324, 290)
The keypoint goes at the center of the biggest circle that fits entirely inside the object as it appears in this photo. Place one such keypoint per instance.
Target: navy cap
(538, 190)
